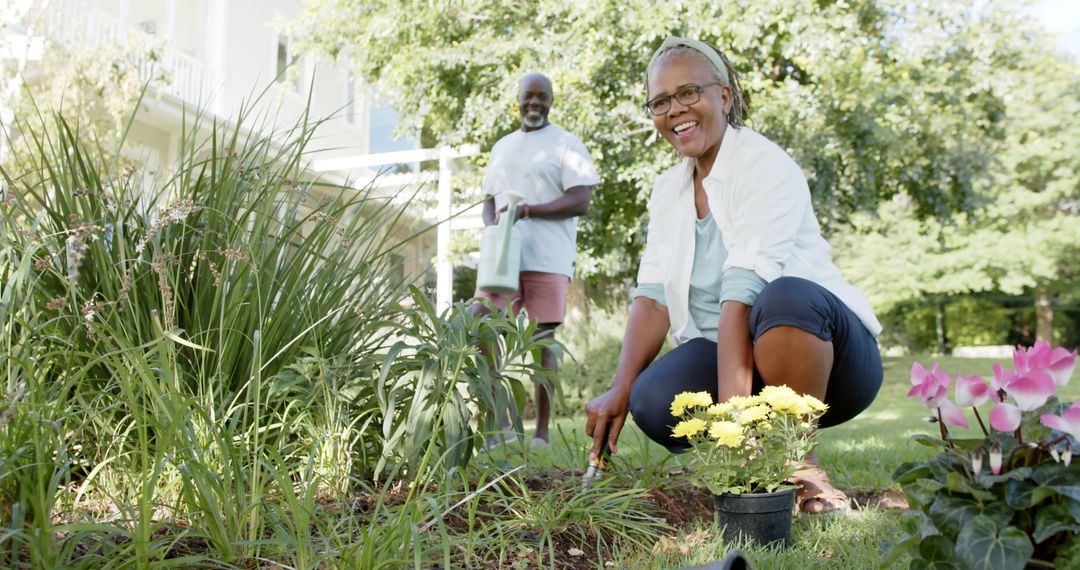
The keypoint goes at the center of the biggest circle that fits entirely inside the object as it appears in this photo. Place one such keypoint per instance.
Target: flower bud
(976, 461)
(1054, 453)
(1066, 456)
(995, 459)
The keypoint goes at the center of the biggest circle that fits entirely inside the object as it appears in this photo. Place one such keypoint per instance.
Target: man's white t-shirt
(541, 166)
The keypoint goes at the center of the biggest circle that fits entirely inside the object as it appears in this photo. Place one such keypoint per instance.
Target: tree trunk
(1044, 315)
(939, 325)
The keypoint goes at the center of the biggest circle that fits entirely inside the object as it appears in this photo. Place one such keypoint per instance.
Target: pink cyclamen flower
(929, 386)
(1059, 362)
(1031, 390)
(952, 415)
(1005, 417)
(971, 391)
(1001, 379)
(1061, 366)
(1068, 422)
(1031, 358)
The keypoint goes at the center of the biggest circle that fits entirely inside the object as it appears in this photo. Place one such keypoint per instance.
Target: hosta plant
(1009, 497)
(747, 444)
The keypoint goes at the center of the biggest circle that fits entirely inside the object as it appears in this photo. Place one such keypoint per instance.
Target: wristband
(525, 213)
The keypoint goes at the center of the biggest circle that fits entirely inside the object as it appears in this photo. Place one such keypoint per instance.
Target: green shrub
(221, 347)
(973, 321)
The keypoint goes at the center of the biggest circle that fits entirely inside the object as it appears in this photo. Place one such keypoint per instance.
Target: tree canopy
(873, 98)
(1023, 239)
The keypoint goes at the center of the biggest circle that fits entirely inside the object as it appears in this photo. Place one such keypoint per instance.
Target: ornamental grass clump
(1010, 495)
(749, 444)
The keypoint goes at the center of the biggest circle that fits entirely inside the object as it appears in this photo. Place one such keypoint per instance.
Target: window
(286, 59)
(282, 56)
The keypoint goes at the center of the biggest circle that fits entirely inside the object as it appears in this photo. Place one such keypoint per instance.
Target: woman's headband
(701, 47)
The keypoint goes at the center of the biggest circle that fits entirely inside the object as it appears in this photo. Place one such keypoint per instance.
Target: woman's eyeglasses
(686, 95)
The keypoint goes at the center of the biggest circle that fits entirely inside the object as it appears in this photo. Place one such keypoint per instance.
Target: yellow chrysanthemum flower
(688, 428)
(717, 410)
(726, 433)
(753, 414)
(686, 400)
(816, 404)
(785, 400)
(743, 402)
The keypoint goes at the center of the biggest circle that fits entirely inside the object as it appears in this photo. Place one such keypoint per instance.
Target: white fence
(444, 270)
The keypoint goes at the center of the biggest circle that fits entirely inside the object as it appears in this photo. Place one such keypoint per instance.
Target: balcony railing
(76, 25)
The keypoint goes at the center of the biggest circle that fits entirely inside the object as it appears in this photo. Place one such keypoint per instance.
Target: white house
(218, 55)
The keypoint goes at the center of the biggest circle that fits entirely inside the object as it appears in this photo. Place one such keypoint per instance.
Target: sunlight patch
(884, 415)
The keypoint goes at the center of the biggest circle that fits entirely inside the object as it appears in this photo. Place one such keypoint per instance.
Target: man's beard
(533, 123)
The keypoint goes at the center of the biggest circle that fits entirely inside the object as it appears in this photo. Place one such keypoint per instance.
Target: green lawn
(860, 456)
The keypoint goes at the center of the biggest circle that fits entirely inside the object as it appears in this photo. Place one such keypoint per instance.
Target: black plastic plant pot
(764, 518)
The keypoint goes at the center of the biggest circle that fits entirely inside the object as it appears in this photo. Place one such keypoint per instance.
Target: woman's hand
(644, 336)
(607, 414)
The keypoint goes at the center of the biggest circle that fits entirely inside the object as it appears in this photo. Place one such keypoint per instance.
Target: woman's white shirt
(760, 200)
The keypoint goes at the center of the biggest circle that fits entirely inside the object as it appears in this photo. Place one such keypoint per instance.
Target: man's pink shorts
(542, 294)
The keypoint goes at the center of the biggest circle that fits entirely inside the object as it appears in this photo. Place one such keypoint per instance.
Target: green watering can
(500, 253)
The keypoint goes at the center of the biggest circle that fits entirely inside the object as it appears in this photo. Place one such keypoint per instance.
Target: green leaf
(985, 546)
(922, 492)
(899, 548)
(990, 480)
(1019, 493)
(927, 440)
(951, 514)
(937, 553)
(958, 483)
(968, 443)
(914, 522)
(1068, 489)
(1073, 507)
(1051, 520)
(944, 463)
(910, 471)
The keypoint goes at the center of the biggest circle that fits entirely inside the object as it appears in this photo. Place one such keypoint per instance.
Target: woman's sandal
(812, 499)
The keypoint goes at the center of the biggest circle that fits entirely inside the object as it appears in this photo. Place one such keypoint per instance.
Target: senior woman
(736, 269)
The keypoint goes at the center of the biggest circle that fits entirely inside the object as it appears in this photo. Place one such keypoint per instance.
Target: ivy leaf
(986, 546)
(1051, 520)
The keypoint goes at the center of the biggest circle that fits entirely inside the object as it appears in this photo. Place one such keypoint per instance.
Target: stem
(1055, 441)
(978, 417)
(944, 433)
(1019, 437)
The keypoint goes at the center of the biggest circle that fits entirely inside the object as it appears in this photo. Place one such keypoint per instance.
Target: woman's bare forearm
(643, 339)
